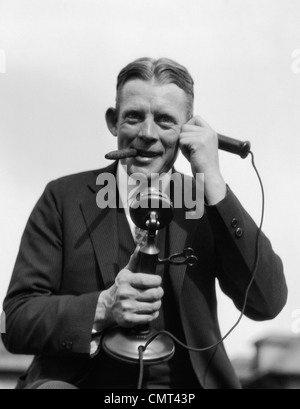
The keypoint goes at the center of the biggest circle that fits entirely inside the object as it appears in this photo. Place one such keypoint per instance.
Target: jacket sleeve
(235, 236)
(38, 319)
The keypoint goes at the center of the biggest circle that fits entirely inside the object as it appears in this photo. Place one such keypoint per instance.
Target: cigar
(121, 154)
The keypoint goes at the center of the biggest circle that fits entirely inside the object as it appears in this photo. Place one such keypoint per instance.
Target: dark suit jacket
(69, 254)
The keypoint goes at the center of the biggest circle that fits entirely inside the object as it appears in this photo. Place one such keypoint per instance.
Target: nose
(148, 131)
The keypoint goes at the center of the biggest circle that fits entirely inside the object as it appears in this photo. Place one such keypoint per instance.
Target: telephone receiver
(234, 146)
(225, 143)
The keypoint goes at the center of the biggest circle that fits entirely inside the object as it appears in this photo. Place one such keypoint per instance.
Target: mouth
(145, 157)
(147, 154)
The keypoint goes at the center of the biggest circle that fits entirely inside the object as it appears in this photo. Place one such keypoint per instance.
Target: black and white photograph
(149, 212)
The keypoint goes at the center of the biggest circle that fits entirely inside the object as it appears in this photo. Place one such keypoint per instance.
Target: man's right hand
(134, 299)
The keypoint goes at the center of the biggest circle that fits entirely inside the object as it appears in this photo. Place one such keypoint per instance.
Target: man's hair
(164, 71)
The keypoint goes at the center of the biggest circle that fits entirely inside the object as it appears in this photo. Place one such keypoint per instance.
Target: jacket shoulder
(79, 180)
(75, 187)
(75, 179)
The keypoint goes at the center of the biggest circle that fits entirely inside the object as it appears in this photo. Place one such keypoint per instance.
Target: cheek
(170, 142)
(126, 132)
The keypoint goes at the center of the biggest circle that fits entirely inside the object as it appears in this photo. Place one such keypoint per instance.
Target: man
(76, 273)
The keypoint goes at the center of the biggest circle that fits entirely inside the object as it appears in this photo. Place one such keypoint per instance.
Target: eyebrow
(156, 114)
(132, 111)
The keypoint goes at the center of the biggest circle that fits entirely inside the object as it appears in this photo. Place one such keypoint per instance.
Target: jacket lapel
(102, 228)
(103, 231)
(182, 233)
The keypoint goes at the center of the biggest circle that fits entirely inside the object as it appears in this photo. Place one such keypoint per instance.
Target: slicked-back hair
(164, 71)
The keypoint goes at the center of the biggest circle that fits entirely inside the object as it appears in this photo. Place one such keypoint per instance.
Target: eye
(133, 117)
(166, 120)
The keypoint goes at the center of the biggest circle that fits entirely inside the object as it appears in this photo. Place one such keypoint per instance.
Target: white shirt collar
(126, 191)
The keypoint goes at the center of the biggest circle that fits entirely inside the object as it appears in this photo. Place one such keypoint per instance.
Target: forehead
(140, 94)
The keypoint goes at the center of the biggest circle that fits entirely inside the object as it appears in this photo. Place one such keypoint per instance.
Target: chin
(144, 170)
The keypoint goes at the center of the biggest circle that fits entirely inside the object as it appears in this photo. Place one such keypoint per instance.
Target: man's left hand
(199, 144)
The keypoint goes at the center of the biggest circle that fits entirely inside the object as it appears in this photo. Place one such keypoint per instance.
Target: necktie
(140, 236)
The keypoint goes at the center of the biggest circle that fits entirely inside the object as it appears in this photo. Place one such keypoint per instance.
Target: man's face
(150, 119)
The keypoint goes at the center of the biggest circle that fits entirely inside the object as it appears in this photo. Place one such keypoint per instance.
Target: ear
(111, 117)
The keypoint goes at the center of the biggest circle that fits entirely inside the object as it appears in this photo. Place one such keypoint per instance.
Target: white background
(62, 59)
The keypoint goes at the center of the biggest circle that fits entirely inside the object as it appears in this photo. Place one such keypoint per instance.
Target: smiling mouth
(147, 154)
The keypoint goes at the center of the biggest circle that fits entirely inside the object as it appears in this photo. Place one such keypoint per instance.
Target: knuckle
(122, 277)
(155, 282)
(160, 292)
(143, 280)
(158, 305)
(155, 294)
(125, 305)
(140, 308)
(139, 280)
(127, 320)
(150, 318)
(159, 280)
(154, 316)
(123, 293)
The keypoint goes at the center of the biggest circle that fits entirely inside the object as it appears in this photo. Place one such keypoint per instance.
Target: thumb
(133, 263)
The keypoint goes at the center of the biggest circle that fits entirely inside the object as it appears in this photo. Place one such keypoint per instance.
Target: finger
(191, 128)
(154, 294)
(147, 308)
(189, 141)
(144, 319)
(185, 148)
(145, 281)
(131, 320)
(196, 128)
(198, 121)
(134, 261)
